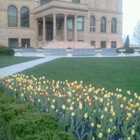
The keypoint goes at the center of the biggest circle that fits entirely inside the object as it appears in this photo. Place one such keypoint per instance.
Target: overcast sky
(131, 14)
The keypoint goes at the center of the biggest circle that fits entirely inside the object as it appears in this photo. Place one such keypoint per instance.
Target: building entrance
(48, 34)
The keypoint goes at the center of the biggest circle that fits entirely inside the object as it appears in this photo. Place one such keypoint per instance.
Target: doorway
(48, 34)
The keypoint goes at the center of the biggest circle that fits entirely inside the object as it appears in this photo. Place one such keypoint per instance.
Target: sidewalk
(6, 71)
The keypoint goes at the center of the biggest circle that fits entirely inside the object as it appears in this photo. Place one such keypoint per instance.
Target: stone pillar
(19, 19)
(65, 27)
(75, 28)
(85, 27)
(36, 27)
(19, 42)
(44, 28)
(54, 26)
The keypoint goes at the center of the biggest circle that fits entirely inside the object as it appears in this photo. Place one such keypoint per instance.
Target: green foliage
(126, 45)
(6, 51)
(128, 50)
(21, 121)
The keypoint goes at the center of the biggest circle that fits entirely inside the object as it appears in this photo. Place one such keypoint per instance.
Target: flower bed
(85, 112)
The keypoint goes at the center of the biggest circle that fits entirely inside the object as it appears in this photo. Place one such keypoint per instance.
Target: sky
(131, 14)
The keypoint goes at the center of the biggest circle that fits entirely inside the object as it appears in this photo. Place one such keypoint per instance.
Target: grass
(11, 60)
(110, 73)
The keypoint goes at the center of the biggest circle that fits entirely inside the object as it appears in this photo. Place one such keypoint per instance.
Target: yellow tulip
(85, 115)
(80, 106)
(92, 124)
(100, 135)
(108, 130)
(105, 109)
(72, 114)
(133, 132)
(98, 125)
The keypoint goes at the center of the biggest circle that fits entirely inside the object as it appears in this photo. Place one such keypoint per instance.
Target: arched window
(12, 16)
(92, 24)
(113, 25)
(76, 1)
(44, 1)
(24, 14)
(103, 25)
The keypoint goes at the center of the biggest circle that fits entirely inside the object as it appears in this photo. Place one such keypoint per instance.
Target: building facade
(53, 23)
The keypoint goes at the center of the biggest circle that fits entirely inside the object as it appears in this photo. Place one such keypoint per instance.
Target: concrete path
(6, 71)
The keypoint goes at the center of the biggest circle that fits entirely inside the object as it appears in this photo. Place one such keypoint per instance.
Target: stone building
(61, 23)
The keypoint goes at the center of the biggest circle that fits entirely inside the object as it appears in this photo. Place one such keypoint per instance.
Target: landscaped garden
(90, 98)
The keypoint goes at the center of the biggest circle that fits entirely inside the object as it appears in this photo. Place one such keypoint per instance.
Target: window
(113, 44)
(44, 1)
(24, 13)
(103, 44)
(92, 24)
(113, 25)
(76, 1)
(25, 42)
(103, 25)
(13, 42)
(80, 23)
(58, 26)
(70, 24)
(12, 16)
(93, 43)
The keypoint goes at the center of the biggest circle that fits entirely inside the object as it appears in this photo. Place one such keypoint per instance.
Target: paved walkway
(6, 71)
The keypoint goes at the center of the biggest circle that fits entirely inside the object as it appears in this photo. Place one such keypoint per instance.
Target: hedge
(22, 122)
(7, 51)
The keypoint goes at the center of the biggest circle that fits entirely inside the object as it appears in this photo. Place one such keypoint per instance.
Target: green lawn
(110, 73)
(11, 60)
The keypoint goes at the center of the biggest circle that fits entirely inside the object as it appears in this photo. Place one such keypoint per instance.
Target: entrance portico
(55, 27)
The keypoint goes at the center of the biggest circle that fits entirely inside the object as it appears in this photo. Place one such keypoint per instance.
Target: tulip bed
(85, 112)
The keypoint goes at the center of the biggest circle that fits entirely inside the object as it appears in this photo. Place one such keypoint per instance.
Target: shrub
(21, 121)
(128, 50)
(6, 51)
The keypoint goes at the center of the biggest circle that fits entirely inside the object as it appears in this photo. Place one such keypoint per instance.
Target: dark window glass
(92, 21)
(44, 1)
(103, 44)
(80, 24)
(70, 24)
(13, 42)
(92, 24)
(24, 13)
(58, 26)
(113, 25)
(12, 16)
(76, 1)
(103, 25)
(25, 43)
(113, 44)
(93, 43)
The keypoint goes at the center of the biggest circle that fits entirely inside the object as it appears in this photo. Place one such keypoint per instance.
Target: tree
(126, 45)
(136, 33)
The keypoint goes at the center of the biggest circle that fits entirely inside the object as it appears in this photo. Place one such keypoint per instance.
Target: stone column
(44, 29)
(36, 27)
(65, 27)
(85, 27)
(19, 42)
(54, 26)
(75, 28)
(19, 20)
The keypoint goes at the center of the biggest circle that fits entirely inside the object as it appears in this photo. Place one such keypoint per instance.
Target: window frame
(16, 16)
(24, 17)
(76, 1)
(80, 23)
(113, 25)
(103, 25)
(92, 26)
